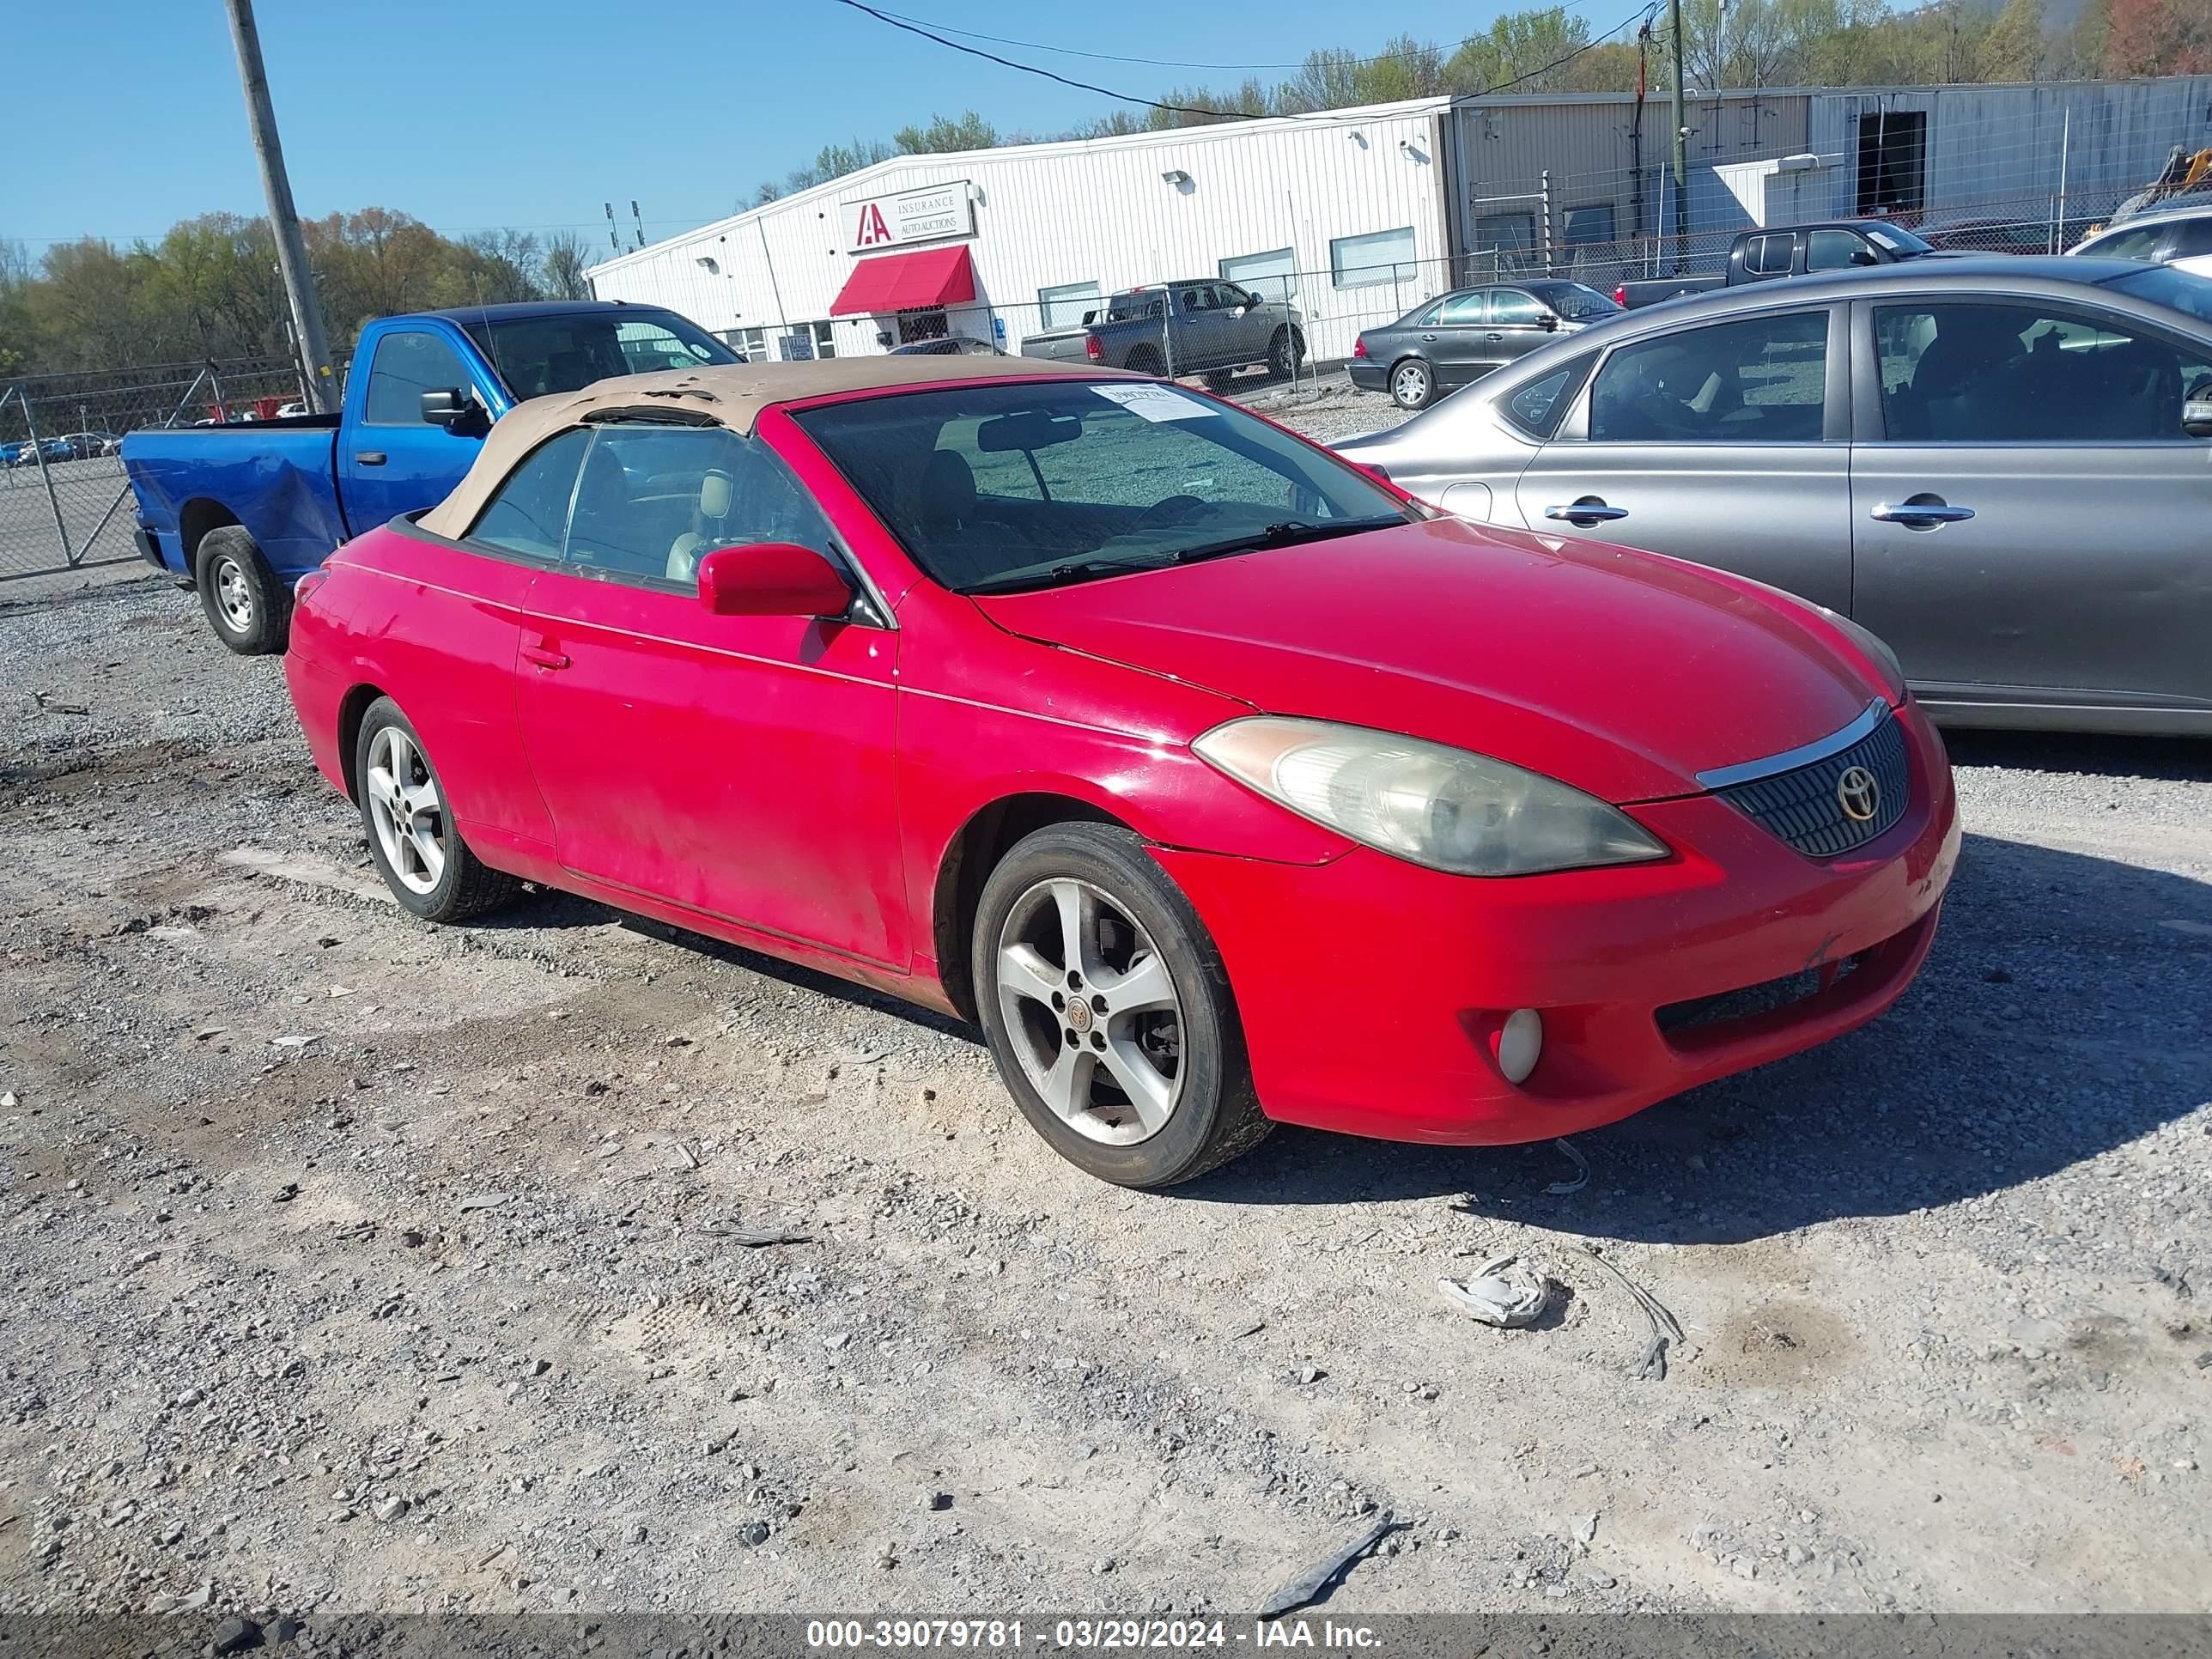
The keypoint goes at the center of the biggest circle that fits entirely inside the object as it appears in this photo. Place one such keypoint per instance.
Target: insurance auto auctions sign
(913, 216)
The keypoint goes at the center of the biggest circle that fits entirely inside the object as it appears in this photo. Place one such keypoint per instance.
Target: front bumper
(1368, 374)
(1371, 991)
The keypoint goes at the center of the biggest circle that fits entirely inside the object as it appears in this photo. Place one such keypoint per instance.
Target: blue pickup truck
(241, 512)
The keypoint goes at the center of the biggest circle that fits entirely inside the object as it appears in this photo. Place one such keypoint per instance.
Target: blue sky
(126, 114)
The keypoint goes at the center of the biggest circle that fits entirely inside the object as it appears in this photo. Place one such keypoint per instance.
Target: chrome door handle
(1494, 339)
(1586, 513)
(1428, 336)
(1922, 516)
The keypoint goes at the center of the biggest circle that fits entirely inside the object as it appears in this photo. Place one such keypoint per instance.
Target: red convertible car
(1222, 783)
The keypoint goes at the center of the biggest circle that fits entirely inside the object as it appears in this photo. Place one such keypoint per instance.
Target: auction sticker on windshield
(1156, 403)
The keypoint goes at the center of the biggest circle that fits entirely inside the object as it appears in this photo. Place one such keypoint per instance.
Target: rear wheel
(412, 837)
(250, 610)
(1411, 385)
(1108, 1011)
(1285, 352)
(1146, 360)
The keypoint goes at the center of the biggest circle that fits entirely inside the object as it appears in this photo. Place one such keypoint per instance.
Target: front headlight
(1872, 643)
(1463, 813)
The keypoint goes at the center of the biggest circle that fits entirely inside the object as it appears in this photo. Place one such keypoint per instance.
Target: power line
(1190, 109)
(1177, 62)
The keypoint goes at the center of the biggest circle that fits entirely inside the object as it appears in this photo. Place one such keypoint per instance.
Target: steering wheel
(1174, 510)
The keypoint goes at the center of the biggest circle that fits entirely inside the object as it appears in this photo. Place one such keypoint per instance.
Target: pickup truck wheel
(1145, 360)
(412, 837)
(1108, 1011)
(1285, 352)
(249, 608)
(1411, 384)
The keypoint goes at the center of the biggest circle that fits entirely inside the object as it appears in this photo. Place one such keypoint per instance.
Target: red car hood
(1623, 674)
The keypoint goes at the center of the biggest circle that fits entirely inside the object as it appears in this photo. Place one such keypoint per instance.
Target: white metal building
(1337, 211)
(1357, 214)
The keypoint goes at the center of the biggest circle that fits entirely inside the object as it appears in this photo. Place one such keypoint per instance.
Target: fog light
(1520, 1044)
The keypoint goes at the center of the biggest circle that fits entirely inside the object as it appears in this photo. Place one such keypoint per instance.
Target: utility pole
(1681, 143)
(283, 218)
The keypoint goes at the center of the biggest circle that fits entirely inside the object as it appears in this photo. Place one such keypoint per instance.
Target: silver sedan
(2002, 466)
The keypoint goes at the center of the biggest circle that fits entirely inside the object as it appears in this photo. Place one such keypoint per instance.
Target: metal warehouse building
(1357, 214)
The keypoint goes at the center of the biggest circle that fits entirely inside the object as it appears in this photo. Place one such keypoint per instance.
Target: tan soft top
(732, 395)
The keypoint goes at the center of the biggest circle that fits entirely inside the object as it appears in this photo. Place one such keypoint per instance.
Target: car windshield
(1575, 303)
(1896, 241)
(998, 488)
(536, 355)
(2162, 285)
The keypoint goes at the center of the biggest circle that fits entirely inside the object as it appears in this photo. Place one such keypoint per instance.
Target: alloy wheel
(1410, 385)
(234, 594)
(1092, 1011)
(404, 809)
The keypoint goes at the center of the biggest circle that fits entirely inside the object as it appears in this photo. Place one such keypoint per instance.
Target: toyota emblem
(1858, 794)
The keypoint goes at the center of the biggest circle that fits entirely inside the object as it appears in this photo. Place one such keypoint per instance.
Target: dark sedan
(1462, 336)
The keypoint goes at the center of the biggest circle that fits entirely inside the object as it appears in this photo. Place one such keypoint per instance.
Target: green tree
(2013, 48)
(942, 136)
(566, 261)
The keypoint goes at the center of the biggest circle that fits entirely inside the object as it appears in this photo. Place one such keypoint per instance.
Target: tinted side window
(2140, 243)
(530, 513)
(1463, 310)
(1767, 256)
(1995, 373)
(1510, 307)
(1832, 250)
(653, 499)
(405, 367)
(1762, 380)
(2192, 239)
(1537, 407)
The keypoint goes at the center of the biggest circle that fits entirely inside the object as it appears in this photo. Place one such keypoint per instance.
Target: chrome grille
(1802, 806)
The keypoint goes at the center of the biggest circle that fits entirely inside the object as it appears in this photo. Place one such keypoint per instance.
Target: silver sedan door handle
(1586, 513)
(1922, 516)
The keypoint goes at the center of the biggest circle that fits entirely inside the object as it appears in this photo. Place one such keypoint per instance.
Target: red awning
(904, 282)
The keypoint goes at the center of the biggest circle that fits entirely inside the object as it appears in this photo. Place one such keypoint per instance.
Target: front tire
(1413, 384)
(412, 837)
(1285, 352)
(249, 608)
(1108, 1011)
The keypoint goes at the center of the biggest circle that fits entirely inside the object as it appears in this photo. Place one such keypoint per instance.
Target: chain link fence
(65, 504)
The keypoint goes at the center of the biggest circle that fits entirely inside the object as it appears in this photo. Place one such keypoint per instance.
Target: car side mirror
(771, 579)
(1547, 321)
(2196, 417)
(1864, 255)
(453, 409)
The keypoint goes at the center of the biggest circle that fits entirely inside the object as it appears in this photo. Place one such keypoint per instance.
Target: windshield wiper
(1075, 570)
(1292, 533)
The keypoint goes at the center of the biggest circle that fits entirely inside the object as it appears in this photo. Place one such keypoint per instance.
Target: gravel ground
(356, 1266)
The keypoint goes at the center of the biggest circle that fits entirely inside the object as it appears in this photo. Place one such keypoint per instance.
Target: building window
(805, 341)
(1893, 161)
(1271, 276)
(919, 323)
(1587, 225)
(1068, 305)
(751, 343)
(1504, 243)
(1380, 257)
